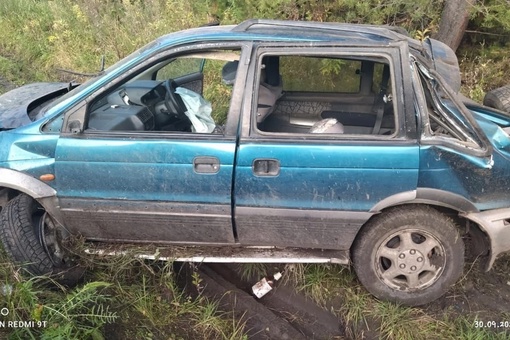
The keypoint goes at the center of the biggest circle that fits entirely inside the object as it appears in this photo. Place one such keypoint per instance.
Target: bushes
(41, 36)
(38, 37)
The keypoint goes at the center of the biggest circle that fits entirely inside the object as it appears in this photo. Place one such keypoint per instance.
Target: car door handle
(266, 167)
(206, 165)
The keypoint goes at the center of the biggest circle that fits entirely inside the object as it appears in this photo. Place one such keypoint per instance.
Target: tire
(31, 239)
(498, 98)
(410, 255)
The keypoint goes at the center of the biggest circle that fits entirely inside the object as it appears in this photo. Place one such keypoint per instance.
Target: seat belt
(380, 100)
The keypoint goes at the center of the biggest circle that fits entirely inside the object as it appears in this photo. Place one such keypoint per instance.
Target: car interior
(149, 102)
(295, 94)
(310, 94)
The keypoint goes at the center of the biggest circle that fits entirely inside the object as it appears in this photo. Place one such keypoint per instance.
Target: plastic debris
(265, 285)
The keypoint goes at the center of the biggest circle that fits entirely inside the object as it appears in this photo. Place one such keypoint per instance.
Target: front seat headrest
(229, 71)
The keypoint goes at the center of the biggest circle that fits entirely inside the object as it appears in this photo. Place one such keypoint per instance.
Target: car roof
(329, 29)
(292, 31)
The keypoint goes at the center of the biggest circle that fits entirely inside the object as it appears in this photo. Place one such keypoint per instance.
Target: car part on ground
(498, 98)
(282, 314)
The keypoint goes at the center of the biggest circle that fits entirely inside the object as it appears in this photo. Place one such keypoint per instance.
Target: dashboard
(136, 106)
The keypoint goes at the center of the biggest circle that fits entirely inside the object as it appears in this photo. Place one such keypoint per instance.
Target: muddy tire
(498, 98)
(31, 239)
(409, 255)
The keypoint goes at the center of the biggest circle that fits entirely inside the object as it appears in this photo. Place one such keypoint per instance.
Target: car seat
(268, 93)
(328, 125)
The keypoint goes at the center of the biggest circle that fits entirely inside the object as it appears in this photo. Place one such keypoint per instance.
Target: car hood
(22, 105)
(494, 123)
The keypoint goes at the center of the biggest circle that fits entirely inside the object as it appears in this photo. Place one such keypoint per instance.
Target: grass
(483, 69)
(40, 37)
(127, 297)
(336, 288)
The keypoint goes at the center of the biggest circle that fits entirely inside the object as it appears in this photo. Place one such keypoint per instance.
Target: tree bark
(454, 20)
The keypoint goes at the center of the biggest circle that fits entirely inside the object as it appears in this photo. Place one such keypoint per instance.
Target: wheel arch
(428, 196)
(13, 183)
(450, 204)
(420, 219)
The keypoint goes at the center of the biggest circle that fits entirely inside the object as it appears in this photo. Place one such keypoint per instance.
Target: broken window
(445, 120)
(325, 94)
(182, 94)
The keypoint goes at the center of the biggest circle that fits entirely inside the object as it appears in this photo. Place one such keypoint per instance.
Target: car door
(299, 188)
(148, 186)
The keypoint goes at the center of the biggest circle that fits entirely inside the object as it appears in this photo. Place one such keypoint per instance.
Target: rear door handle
(266, 167)
(206, 165)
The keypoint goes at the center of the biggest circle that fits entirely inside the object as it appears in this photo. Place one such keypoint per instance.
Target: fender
(40, 191)
(427, 196)
(493, 223)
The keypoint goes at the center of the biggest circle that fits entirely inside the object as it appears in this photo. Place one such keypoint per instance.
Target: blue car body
(245, 187)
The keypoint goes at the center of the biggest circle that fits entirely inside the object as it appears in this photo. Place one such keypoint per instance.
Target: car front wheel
(31, 238)
(410, 255)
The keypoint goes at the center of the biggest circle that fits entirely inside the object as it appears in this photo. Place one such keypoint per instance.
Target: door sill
(207, 254)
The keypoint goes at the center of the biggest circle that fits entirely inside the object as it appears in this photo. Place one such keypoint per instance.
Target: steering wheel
(173, 101)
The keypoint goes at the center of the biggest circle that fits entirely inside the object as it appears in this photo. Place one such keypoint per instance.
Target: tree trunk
(454, 20)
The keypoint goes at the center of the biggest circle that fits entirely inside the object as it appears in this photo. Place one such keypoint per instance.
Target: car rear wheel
(498, 98)
(409, 255)
(32, 239)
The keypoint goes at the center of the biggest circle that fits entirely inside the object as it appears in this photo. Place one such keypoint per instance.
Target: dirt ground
(479, 293)
(5, 85)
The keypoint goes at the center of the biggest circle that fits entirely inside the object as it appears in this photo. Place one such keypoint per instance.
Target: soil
(5, 85)
(479, 293)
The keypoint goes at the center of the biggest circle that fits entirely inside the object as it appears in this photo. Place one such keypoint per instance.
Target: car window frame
(483, 149)
(79, 114)
(393, 53)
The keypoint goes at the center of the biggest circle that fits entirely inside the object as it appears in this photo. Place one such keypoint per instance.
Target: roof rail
(381, 31)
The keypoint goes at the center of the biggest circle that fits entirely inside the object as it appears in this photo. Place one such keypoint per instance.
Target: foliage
(48, 35)
(483, 69)
(135, 298)
(493, 15)
(413, 15)
(58, 314)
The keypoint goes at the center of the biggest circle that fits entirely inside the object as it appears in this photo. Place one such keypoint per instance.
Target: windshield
(447, 119)
(83, 87)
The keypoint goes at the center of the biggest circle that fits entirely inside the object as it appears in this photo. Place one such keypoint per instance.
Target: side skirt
(139, 221)
(225, 254)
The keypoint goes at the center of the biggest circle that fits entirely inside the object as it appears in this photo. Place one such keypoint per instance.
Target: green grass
(39, 37)
(483, 69)
(134, 298)
(337, 288)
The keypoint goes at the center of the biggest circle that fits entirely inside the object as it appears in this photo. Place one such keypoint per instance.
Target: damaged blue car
(335, 143)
